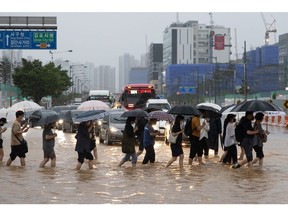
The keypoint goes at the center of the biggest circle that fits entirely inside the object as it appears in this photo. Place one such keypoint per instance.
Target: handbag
(128, 144)
(263, 137)
(172, 139)
(23, 142)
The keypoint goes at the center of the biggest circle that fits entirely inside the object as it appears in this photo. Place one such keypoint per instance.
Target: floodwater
(211, 183)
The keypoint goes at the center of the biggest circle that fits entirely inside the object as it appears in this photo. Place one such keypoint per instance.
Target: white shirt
(205, 129)
(230, 135)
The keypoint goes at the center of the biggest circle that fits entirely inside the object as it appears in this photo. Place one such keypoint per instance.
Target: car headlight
(60, 121)
(113, 129)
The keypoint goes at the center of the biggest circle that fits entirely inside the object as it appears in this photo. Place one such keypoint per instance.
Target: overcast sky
(101, 37)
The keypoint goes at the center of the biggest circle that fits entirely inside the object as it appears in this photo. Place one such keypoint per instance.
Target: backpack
(188, 127)
(239, 133)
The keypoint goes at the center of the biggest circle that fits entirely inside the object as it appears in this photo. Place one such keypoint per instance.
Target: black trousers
(204, 143)
(149, 155)
(231, 155)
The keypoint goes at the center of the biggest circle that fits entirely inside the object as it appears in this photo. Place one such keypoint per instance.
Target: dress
(48, 145)
(214, 132)
(83, 146)
(128, 144)
(176, 148)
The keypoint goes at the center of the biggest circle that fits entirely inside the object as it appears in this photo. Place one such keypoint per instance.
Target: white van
(160, 104)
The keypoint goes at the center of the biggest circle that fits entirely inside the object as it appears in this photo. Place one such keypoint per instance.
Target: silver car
(112, 126)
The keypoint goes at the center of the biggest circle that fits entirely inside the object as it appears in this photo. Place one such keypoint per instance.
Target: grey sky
(101, 37)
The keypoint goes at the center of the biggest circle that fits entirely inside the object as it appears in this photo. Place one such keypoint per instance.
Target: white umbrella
(213, 105)
(93, 105)
(25, 106)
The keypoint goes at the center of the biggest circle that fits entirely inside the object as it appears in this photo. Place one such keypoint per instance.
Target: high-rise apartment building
(194, 43)
(283, 61)
(156, 63)
(105, 78)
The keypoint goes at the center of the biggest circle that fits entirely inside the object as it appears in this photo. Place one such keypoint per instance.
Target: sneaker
(236, 166)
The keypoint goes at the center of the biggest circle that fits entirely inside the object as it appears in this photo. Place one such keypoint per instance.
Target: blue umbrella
(91, 115)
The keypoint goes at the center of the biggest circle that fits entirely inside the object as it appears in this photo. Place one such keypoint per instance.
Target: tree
(37, 81)
(5, 70)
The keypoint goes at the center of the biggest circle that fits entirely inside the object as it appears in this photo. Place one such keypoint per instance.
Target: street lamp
(56, 52)
(73, 69)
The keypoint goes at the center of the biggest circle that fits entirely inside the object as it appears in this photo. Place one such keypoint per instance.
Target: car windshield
(117, 119)
(59, 109)
(159, 106)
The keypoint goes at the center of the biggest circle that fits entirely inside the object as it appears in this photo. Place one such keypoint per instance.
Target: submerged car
(61, 110)
(112, 126)
(70, 123)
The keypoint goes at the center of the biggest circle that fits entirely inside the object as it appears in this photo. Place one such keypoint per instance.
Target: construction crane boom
(270, 27)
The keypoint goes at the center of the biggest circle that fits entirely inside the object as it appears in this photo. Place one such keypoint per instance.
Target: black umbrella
(43, 117)
(135, 113)
(256, 105)
(184, 110)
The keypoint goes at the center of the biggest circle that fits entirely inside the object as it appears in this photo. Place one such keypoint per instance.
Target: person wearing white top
(204, 135)
(229, 140)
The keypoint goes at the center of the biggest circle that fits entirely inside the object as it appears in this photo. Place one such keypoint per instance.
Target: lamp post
(56, 52)
(75, 68)
(215, 70)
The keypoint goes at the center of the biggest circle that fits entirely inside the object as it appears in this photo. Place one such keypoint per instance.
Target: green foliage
(37, 81)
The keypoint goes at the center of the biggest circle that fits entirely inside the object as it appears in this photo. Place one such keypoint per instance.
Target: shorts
(84, 155)
(17, 151)
(1, 143)
(259, 151)
(49, 154)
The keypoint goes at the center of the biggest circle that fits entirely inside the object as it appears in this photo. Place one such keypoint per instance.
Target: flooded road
(211, 183)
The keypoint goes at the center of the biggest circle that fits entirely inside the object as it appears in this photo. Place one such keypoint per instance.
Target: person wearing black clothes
(83, 145)
(128, 142)
(176, 148)
(248, 140)
(214, 132)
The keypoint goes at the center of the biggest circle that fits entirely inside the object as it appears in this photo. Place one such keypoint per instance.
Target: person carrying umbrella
(83, 145)
(48, 140)
(2, 130)
(248, 139)
(149, 141)
(128, 142)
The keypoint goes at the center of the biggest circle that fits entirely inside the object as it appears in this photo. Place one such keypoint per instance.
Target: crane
(270, 27)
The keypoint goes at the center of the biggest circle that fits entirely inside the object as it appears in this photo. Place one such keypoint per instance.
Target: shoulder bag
(23, 142)
(172, 139)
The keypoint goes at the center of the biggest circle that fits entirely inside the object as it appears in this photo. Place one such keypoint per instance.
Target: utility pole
(245, 74)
